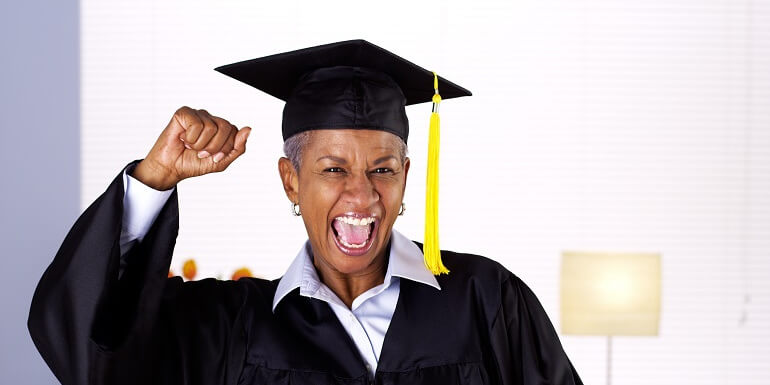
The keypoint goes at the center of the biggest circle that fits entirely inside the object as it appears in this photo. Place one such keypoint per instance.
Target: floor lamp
(610, 294)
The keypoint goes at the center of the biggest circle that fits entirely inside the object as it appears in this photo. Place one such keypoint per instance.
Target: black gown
(97, 322)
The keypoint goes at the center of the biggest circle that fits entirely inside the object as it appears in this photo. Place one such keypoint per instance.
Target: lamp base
(609, 360)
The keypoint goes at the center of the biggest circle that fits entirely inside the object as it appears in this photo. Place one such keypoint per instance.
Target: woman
(356, 306)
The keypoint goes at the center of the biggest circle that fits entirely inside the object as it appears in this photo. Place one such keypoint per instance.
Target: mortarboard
(354, 84)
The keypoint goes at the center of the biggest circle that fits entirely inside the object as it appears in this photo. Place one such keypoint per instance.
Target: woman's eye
(382, 170)
(334, 169)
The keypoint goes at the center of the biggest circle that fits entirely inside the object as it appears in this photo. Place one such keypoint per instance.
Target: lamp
(610, 294)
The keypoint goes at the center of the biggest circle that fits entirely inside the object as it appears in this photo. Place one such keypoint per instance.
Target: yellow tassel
(431, 248)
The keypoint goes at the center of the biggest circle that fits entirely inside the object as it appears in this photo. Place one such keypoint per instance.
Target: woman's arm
(82, 278)
(95, 322)
(99, 313)
(141, 205)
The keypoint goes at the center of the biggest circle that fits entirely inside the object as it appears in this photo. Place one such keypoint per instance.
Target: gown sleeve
(526, 346)
(93, 325)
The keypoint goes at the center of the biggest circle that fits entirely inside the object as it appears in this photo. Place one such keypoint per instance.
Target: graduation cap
(355, 85)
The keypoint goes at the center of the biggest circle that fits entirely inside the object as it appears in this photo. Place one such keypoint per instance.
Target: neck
(349, 286)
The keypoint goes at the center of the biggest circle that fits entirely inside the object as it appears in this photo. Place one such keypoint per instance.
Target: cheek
(317, 200)
(391, 192)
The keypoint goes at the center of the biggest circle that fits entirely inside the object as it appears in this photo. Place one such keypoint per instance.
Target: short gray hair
(293, 147)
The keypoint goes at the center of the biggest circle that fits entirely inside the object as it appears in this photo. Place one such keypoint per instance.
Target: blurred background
(604, 125)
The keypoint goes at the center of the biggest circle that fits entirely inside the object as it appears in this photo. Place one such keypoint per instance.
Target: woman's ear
(289, 178)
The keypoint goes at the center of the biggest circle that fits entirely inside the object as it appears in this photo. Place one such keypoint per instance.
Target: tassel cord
(431, 248)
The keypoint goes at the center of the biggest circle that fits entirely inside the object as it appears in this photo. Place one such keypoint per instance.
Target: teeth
(355, 221)
(349, 245)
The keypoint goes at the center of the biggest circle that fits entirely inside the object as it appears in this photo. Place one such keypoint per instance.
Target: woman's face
(349, 188)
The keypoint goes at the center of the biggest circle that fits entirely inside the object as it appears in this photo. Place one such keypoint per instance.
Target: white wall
(599, 125)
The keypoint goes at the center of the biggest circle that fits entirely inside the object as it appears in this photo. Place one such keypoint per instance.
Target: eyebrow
(333, 159)
(384, 158)
(337, 159)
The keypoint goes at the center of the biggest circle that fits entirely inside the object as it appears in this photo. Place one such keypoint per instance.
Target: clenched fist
(193, 143)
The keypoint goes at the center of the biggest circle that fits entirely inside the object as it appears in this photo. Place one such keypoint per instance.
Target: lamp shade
(610, 294)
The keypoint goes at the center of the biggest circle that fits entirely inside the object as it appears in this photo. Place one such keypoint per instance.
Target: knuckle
(182, 110)
(209, 129)
(187, 119)
(193, 124)
(223, 125)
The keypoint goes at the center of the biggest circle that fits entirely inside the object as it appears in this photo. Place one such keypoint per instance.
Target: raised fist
(193, 143)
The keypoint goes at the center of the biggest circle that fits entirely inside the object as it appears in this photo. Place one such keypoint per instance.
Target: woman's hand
(193, 143)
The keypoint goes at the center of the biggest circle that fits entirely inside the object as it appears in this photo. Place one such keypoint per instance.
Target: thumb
(239, 146)
(240, 140)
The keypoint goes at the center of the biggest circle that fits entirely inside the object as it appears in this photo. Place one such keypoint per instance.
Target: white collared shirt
(368, 318)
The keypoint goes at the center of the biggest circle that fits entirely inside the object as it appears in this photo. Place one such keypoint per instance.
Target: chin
(351, 267)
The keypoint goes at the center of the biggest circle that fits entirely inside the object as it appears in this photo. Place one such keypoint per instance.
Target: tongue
(352, 234)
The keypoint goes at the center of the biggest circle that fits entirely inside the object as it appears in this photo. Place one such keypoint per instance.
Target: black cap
(349, 84)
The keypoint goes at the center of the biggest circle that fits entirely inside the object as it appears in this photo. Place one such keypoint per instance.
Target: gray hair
(293, 147)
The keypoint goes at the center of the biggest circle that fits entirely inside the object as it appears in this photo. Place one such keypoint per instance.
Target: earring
(295, 210)
(403, 209)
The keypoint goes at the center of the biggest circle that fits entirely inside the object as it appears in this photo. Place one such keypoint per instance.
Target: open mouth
(354, 234)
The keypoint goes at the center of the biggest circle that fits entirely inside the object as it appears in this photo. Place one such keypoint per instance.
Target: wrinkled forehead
(358, 141)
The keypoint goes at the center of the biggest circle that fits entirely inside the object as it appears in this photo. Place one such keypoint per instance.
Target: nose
(360, 191)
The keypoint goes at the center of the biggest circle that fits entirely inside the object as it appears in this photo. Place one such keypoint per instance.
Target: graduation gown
(97, 322)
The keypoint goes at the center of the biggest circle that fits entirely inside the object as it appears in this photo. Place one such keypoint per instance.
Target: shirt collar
(405, 261)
